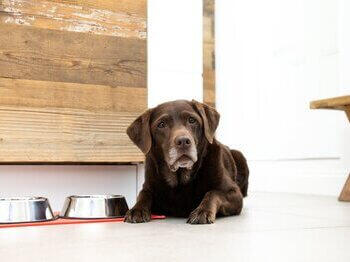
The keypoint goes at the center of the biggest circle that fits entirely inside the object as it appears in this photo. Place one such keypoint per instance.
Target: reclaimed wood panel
(73, 76)
(135, 7)
(94, 98)
(66, 122)
(116, 18)
(31, 135)
(209, 52)
(51, 55)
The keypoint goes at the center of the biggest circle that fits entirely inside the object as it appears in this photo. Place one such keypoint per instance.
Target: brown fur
(200, 187)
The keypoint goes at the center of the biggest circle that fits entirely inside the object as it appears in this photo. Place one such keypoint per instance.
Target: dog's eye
(192, 120)
(161, 124)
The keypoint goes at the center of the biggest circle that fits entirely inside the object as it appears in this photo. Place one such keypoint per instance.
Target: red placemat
(64, 221)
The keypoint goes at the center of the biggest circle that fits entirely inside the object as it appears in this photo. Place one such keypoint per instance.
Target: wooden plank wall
(209, 52)
(73, 76)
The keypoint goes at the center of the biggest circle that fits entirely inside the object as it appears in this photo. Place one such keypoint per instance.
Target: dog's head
(176, 130)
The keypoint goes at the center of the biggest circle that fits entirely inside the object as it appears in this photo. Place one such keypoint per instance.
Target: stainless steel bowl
(25, 209)
(94, 206)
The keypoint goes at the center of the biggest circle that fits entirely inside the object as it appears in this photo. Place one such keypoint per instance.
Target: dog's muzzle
(183, 154)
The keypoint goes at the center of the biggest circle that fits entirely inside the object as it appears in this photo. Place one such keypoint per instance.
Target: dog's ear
(140, 133)
(210, 119)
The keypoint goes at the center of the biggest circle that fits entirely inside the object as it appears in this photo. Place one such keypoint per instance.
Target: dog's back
(242, 171)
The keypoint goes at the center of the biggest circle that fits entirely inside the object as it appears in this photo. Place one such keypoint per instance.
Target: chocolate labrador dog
(188, 172)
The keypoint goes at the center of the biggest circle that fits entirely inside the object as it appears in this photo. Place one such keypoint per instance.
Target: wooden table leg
(345, 193)
(348, 113)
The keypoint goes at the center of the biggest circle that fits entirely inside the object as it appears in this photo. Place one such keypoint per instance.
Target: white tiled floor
(272, 227)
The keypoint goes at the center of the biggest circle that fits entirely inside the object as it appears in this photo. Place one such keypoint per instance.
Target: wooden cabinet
(73, 76)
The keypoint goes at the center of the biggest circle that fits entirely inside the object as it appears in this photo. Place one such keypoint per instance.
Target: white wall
(175, 72)
(175, 50)
(273, 58)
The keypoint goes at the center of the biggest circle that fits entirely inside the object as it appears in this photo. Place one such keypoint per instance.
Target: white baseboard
(317, 182)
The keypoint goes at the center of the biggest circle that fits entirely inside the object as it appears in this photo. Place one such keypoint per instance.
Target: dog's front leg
(216, 201)
(141, 212)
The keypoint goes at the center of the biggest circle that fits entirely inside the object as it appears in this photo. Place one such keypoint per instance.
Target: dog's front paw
(201, 216)
(136, 215)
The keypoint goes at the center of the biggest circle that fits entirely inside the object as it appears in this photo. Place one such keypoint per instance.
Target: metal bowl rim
(107, 196)
(55, 217)
(22, 199)
(90, 218)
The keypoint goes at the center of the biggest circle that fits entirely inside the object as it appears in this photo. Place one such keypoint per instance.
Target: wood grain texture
(73, 76)
(93, 98)
(88, 16)
(32, 135)
(135, 7)
(345, 194)
(209, 52)
(62, 122)
(51, 55)
(338, 103)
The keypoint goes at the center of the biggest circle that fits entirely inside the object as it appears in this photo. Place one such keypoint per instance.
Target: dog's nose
(182, 142)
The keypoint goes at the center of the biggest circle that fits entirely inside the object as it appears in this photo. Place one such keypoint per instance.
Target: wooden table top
(338, 103)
